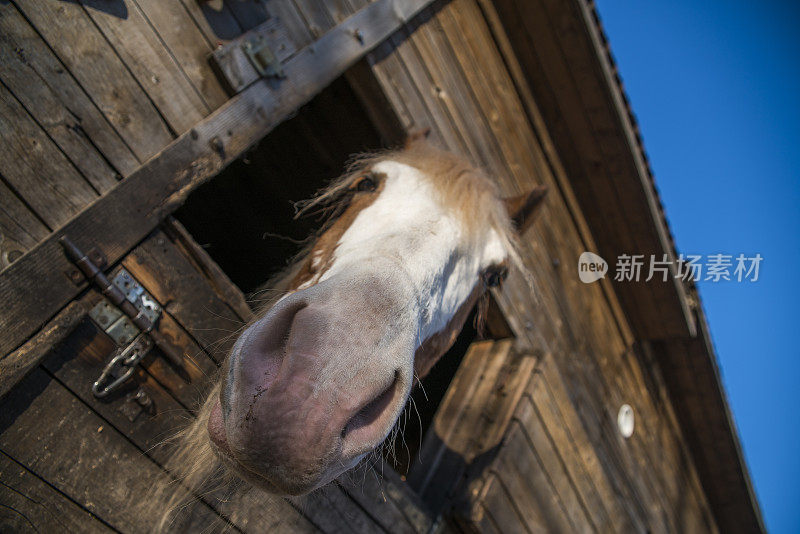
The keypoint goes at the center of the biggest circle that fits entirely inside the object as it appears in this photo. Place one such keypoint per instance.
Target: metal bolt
(75, 275)
(217, 146)
(143, 399)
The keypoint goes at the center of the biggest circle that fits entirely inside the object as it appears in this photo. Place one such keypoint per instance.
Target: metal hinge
(263, 58)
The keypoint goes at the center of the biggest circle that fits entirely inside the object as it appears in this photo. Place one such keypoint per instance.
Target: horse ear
(523, 208)
(417, 135)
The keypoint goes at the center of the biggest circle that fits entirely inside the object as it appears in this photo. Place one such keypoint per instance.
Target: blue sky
(715, 88)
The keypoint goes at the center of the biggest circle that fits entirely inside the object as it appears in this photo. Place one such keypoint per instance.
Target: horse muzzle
(317, 383)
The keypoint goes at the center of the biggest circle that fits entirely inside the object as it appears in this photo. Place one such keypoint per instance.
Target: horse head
(319, 380)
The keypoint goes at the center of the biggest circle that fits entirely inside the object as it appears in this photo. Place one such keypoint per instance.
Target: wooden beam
(372, 24)
(35, 287)
(19, 363)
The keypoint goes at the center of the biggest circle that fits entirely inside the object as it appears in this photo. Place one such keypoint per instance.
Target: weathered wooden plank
(130, 210)
(521, 470)
(105, 78)
(35, 167)
(561, 416)
(381, 17)
(485, 525)
(441, 77)
(540, 440)
(136, 205)
(70, 124)
(387, 500)
(20, 229)
(103, 471)
(144, 53)
(186, 43)
(501, 511)
(470, 425)
(496, 100)
(332, 510)
(549, 157)
(77, 363)
(414, 87)
(29, 504)
(23, 360)
(52, 95)
(564, 442)
(562, 68)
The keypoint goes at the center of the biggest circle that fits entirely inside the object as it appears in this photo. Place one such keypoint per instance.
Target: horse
(413, 240)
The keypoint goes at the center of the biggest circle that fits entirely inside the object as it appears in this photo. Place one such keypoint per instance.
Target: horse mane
(194, 468)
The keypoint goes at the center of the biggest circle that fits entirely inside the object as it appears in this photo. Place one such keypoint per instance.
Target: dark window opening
(244, 217)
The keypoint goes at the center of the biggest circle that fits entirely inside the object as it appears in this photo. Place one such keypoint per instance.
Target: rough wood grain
(36, 168)
(36, 78)
(144, 54)
(29, 504)
(522, 471)
(23, 360)
(20, 229)
(47, 89)
(103, 471)
(540, 439)
(187, 45)
(391, 503)
(106, 79)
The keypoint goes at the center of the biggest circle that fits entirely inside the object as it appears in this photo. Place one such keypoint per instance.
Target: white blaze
(411, 227)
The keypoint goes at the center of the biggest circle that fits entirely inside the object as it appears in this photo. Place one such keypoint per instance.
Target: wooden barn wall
(71, 127)
(562, 465)
(91, 90)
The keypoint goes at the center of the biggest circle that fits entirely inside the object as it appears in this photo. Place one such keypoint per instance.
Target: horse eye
(494, 276)
(366, 183)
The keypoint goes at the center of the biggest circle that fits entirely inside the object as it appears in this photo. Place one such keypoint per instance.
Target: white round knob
(625, 421)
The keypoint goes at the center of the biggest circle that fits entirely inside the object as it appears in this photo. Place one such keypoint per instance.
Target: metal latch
(134, 343)
(114, 322)
(121, 366)
(128, 314)
(263, 59)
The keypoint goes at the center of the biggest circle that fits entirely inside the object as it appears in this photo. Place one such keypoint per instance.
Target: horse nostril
(372, 410)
